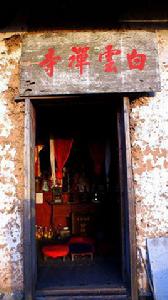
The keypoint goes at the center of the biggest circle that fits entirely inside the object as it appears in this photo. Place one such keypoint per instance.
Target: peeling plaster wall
(149, 139)
(11, 168)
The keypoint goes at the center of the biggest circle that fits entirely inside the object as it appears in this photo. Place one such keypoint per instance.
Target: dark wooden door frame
(29, 254)
(29, 204)
(128, 198)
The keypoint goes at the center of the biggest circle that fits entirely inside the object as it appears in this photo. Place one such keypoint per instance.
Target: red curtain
(97, 151)
(62, 149)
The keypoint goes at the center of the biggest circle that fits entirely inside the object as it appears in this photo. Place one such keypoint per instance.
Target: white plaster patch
(6, 66)
(153, 120)
(5, 122)
(10, 220)
(7, 166)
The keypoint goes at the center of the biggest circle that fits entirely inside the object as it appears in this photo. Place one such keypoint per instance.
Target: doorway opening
(79, 219)
(85, 120)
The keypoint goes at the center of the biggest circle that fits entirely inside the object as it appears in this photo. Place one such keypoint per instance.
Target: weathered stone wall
(11, 169)
(149, 139)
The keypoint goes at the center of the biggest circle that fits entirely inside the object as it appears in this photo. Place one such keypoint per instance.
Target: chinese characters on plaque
(80, 58)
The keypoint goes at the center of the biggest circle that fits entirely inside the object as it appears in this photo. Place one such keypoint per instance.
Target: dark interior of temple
(83, 211)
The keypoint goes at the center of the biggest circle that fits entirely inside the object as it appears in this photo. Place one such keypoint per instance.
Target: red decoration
(62, 150)
(79, 57)
(49, 62)
(110, 65)
(136, 60)
(65, 197)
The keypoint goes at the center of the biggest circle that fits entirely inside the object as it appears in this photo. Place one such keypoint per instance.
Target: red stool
(55, 251)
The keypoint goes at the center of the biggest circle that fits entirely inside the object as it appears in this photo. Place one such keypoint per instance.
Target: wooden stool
(81, 246)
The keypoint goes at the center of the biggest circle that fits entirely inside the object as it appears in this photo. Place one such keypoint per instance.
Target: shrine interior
(77, 185)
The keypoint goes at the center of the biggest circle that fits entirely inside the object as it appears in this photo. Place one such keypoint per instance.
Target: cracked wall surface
(11, 166)
(149, 140)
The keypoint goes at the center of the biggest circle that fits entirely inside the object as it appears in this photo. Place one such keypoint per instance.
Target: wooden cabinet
(84, 222)
(84, 218)
(81, 218)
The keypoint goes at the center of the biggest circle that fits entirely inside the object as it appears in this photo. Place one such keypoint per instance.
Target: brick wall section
(149, 139)
(11, 168)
